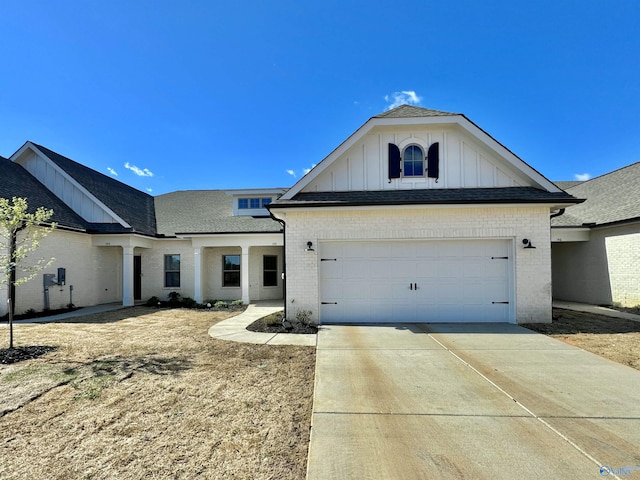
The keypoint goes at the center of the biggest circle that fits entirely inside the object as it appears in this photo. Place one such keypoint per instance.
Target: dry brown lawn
(147, 394)
(613, 338)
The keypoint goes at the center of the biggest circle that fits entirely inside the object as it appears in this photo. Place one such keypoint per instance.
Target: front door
(137, 277)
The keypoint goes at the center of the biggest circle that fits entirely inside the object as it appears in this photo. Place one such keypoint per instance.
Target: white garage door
(416, 281)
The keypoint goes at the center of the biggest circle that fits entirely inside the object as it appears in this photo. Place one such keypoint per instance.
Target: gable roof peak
(406, 111)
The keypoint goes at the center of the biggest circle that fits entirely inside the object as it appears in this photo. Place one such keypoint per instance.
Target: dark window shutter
(394, 161)
(433, 161)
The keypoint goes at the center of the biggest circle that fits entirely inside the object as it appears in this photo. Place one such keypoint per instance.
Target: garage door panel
(331, 269)
(435, 281)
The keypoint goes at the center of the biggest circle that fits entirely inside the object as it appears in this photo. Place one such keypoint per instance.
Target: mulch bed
(19, 354)
(261, 326)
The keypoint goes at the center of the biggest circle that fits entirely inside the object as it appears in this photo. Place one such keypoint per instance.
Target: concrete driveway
(489, 401)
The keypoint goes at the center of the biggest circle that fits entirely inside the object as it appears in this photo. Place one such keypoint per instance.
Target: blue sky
(168, 95)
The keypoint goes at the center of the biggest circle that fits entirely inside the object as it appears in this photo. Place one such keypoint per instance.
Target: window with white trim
(413, 161)
(253, 202)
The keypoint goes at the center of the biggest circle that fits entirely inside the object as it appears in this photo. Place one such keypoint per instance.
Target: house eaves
(457, 196)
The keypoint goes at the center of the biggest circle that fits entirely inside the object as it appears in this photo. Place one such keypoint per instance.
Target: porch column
(127, 277)
(244, 275)
(197, 270)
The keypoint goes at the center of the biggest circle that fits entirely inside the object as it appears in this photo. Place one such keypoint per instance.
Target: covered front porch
(245, 267)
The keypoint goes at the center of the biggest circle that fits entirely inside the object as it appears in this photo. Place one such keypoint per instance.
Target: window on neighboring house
(413, 161)
(270, 271)
(231, 270)
(172, 271)
(253, 203)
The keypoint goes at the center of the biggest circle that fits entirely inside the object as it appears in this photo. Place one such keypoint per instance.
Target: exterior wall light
(309, 247)
(527, 243)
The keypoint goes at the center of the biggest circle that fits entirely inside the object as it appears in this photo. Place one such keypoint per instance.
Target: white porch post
(197, 270)
(127, 276)
(244, 274)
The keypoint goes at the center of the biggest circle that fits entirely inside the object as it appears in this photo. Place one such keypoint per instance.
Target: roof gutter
(558, 213)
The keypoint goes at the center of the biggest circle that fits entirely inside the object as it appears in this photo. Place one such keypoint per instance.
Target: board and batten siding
(66, 190)
(464, 163)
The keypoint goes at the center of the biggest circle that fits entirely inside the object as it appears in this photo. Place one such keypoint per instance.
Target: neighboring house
(420, 216)
(596, 245)
(118, 244)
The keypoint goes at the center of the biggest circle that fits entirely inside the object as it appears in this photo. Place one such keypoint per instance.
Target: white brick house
(596, 245)
(420, 216)
(417, 216)
(118, 244)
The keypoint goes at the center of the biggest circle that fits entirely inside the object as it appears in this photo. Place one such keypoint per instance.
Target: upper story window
(253, 203)
(413, 161)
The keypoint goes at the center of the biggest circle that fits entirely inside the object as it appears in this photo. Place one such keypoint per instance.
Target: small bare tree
(20, 235)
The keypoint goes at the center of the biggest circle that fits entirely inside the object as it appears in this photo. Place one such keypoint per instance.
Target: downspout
(557, 214)
(284, 260)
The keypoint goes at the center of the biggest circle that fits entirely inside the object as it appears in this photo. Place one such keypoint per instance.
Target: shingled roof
(205, 211)
(408, 111)
(611, 198)
(134, 206)
(15, 181)
(427, 197)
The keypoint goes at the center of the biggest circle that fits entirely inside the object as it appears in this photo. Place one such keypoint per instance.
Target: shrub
(153, 302)
(236, 302)
(221, 304)
(188, 302)
(174, 299)
(303, 317)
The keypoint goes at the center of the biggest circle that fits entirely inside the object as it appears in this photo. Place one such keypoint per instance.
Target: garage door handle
(328, 303)
(415, 286)
(504, 303)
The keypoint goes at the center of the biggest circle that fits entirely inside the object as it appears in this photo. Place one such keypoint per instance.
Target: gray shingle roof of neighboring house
(611, 198)
(564, 184)
(15, 181)
(134, 206)
(205, 211)
(406, 111)
(427, 197)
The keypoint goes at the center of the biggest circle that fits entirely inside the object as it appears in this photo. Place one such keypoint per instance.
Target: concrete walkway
(81, 312)
(585, 307)
(235, 329)
(481, 401)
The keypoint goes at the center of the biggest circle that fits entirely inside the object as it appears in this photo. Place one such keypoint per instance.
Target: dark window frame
(172, 275)
(270, 275)
(230, 274)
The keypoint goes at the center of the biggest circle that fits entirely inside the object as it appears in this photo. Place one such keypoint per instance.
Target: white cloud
(304, 171)
(400, 98)
(582, 177)
(112, 171)
(144, 172)
(149, 190)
